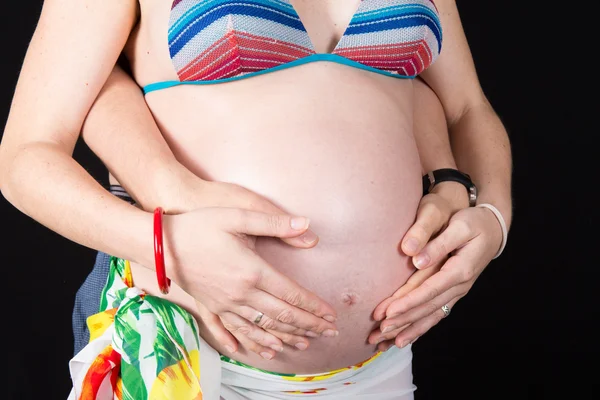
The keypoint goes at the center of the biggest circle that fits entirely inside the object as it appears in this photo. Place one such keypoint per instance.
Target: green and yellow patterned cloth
(145, 347)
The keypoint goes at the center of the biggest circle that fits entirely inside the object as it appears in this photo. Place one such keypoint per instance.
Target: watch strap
(448, 174)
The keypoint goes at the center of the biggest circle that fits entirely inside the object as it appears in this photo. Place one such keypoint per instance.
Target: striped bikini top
(212, 41)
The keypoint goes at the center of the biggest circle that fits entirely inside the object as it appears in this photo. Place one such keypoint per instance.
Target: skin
(120, 120)
(471, 236)
(434, 132)
(39, 176)
(470, 116)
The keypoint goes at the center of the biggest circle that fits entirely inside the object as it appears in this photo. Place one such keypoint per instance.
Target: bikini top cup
(212, 41)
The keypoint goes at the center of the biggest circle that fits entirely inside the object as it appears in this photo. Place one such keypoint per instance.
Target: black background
(525, 331)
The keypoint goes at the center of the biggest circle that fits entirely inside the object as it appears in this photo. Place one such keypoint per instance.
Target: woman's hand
(245, 335)
(470, 235)
(190, 192)
(183, 192)
(212, 257)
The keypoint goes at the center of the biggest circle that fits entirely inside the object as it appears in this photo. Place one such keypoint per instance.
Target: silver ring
(446, 310)
(258, 317)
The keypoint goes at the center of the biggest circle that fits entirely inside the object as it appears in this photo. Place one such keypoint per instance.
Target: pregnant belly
(360, 219)
(354, 171)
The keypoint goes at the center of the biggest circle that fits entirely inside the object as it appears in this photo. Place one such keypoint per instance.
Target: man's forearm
(481, 148)
(122, 132)
(433, 143)
(430, 130)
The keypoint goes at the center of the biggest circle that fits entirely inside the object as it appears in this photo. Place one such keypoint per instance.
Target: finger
(415, 280)
(275, 225)
(298, 342)
(379, 312)
(389, 327)
(284, 313)
(376, 336)
(247, 345)
(385, 345)
(306, 240)
(240, 327)
(284, 288)
(269, 324)
(455, 235)
(449, 275)
(210, 326)
(430, 219)
(420, 327)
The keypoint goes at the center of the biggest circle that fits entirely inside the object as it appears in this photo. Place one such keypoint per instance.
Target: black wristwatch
(448, 174)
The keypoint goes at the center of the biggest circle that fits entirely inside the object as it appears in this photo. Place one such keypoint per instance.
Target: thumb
(306, 240)
(430, 219)
(275, 225)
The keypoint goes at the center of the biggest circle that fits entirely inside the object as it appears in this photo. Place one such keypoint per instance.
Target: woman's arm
(480, 142)
(63, 71)
(73, 50)
(472, 235)
(120, 121)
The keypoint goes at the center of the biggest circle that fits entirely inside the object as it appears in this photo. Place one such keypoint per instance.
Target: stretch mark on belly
(349, 298)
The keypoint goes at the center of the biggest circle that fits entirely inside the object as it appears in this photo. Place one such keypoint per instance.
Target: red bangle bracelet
(164, 283)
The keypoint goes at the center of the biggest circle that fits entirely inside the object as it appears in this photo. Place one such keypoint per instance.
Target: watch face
(472, 195)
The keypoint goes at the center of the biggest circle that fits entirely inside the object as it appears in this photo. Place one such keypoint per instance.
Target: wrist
(454, 193)
(500, 222)
(143, 242)
(170, 251)
(177, 189)
(137, 228)
(436, 177)
(500, 197)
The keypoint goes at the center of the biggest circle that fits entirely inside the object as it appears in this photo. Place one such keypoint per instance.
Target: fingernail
(389, 328)
(301, 346)
(421, 260)
(229, 349)
(330, 333)
(309, 237)
(329, 318)
(276, 347)
(312, 334)
(299, 223)
(265, 355)
(404, 343)
(411, 245)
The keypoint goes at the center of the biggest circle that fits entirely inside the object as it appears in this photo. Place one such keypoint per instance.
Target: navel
(350, 298)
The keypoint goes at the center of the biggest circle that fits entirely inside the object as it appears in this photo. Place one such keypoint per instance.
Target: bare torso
(320, 140)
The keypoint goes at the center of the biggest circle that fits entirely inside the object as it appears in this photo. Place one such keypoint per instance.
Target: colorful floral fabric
(145, 347)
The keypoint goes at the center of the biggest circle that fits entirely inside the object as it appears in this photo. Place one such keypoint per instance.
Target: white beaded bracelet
(500, 219)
